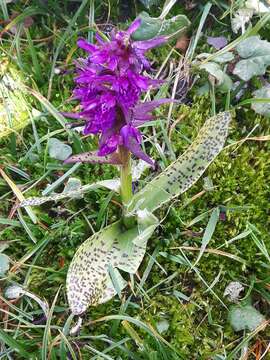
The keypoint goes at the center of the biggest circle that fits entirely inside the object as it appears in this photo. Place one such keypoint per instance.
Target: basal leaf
(153, 27)
(174, 27)
(14, 109)
(262, 108)
(187, 169)
(149, 27)
(224, 82)
(58, 150)
(240, 19)
(149, 3)
(88, 279)
(220, 59)
(72, 190)
(245, 317)
(255, 54)
(258, 6)
(4, 264)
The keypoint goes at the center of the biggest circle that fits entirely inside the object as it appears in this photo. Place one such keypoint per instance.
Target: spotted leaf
(72, 192)
(93, 158)
(88, 278)
(187, 169)
(15, 109)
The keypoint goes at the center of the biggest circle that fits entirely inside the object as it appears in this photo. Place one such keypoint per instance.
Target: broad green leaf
(240, 19)
(245, 317)
(224, 82)
(187, 169)
(221, 59)
(255, 54)
(174, 27)
(88, 278)
(73, 186)
(262, 108)
(224, 58)
(72, 190)
(58, 150)
(14, 108)
(149, 3)
(13, 292)
(162, 326)
(153, 27)
(258, 6)
(149, 27)
(4, 264)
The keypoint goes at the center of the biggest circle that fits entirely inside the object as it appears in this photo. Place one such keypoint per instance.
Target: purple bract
(109, 85)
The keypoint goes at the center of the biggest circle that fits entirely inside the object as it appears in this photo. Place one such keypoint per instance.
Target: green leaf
(153, 27)
(73, 186)
(262, 108)
(208, 233)
(149, 3)
(58, 150)
(240, 19)
(72, 190)
(259, 7)
(245, 317)
(174, 27)
(255, 54)
(14, 108)
(4, 264)
(224, 82)
(149, 27)
(88, 279)
(221, 59)
(187, 169)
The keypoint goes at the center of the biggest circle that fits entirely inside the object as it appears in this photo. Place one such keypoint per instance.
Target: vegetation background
(171, 310)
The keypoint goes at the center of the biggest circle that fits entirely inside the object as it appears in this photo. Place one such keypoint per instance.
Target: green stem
(125, 176)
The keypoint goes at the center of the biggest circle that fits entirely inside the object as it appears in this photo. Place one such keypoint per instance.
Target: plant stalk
(125, 176)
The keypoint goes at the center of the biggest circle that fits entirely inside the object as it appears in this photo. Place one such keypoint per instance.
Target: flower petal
(131, 140)
(85, 45)
(146, 45)
(135, 148)
(141, 111)
(134, 26)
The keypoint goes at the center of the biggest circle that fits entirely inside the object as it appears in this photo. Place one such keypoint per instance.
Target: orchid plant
(109, 85)
(110, 82)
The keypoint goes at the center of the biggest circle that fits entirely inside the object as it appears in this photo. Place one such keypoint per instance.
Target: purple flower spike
(109, 85)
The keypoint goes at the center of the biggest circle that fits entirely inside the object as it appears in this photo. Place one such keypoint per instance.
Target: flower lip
(134, 26)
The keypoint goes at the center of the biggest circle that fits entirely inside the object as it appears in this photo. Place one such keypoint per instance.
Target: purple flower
(109, 85)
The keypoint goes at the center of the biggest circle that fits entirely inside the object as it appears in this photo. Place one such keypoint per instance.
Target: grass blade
(208, 233)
